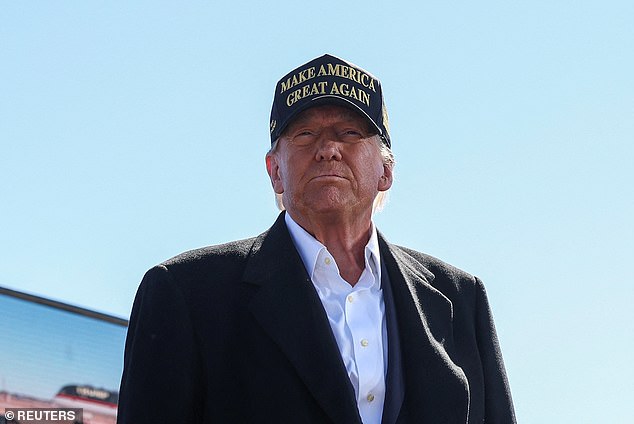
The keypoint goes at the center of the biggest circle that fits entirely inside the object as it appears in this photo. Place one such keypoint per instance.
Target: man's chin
(330, 201)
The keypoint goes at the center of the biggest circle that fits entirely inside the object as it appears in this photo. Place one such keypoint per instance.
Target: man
(319, 319)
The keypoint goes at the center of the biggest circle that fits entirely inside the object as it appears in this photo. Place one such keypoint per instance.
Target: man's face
(329, 161)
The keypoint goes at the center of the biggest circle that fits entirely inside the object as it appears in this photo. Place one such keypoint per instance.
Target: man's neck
(344, 237)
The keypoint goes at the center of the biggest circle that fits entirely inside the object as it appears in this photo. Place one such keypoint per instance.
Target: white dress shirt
(356, 316)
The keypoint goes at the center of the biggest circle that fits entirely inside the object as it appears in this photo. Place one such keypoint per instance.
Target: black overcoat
(236, 334)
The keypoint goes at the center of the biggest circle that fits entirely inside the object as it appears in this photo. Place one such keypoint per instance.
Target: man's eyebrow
(346, 114)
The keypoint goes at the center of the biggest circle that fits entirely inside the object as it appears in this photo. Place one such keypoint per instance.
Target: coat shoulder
(234, 250)
(437, 266)
(206, 267)
(446, 278)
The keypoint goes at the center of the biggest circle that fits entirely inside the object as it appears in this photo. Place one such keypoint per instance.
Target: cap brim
(329, 99)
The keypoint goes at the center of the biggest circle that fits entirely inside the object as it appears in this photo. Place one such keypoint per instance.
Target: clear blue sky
(131, 131)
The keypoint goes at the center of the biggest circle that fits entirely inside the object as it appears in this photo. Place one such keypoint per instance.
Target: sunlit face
(328, 160)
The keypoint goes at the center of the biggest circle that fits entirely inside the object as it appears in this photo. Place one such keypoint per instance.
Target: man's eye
(303, 137)
(352, 134)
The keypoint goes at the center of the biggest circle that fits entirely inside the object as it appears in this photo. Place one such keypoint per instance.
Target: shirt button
(365, 342)
(370, 397)
(350, 298)
(327, 261)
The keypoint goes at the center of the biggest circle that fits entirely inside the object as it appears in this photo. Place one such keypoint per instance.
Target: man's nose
(328, 147)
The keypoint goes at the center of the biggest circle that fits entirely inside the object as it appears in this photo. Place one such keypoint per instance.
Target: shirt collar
(309, 248)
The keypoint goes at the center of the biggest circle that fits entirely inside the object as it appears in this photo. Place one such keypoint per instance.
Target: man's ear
(273, 169)
(385, 182)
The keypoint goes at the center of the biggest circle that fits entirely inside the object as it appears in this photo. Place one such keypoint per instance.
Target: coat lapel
(436, 389)
(289, 310)
(394, 380)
